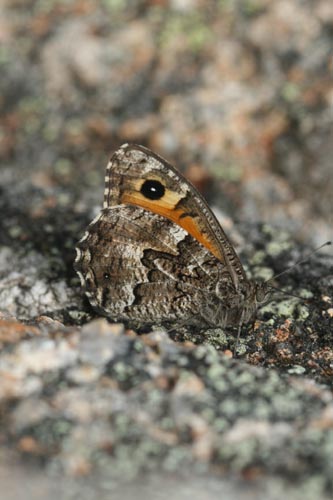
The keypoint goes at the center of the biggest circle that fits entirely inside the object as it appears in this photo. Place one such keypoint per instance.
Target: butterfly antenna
(301, 261)
(288, 293)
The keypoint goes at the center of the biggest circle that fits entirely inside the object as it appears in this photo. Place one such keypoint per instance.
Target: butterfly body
(156, 253)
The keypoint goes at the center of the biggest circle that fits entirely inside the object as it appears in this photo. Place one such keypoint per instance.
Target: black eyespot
(106, 276)
(153, 190)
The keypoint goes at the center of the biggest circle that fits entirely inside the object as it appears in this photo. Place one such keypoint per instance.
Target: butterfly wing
(137, 176)
(156, 253)
(142, 268)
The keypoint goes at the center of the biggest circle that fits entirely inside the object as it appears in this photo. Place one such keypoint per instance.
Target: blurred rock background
(237, 93)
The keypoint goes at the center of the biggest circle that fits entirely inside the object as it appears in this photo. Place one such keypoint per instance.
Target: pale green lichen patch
(275, 248)
(262, 274)
(287, 308)
(216, 337)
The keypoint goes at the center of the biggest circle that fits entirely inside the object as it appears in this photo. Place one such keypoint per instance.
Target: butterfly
(156, 254)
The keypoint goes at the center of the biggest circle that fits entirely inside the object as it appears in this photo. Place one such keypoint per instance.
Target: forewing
(131, 166)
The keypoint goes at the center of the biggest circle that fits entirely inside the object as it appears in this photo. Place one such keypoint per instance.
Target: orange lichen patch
(283, 334)
(324, 420)
(190, 386)
(162, 382)
(10, 386)
(79, 467)
(40, 25)
(256, 358)
(252, 473)
(13, 331)
(28, 444)
(203, 438)
(137, 128)
(322, 360)
(285, 355)
(324, 354)
(198, 176)
(98, 126)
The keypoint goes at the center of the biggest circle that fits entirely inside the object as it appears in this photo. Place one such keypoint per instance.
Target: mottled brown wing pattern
(168, 277)
(157, 254)
(131, 166)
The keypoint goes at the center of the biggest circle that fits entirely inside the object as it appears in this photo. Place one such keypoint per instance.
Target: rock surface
(241, 94)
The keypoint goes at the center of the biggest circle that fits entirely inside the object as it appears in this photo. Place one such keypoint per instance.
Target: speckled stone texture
(239, 93)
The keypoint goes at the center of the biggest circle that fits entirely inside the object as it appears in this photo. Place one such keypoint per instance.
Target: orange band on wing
(168, 210)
